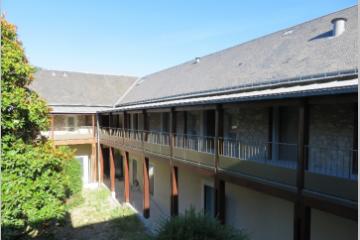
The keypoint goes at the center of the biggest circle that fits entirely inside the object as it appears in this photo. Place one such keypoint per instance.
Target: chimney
(338, 26)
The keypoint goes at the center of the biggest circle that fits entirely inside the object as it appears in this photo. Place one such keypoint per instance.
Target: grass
(95, 215)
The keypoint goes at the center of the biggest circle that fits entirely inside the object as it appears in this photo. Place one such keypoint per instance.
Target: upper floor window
(70, 123)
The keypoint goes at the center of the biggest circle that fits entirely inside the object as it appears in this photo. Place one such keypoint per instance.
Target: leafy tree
(34, 172)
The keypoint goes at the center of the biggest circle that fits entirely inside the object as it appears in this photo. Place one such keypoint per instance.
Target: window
(151, 178)
(71, 123)
(209, 203)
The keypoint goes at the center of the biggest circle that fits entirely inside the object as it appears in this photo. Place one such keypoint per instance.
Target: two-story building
(74, 99)
(262, 135)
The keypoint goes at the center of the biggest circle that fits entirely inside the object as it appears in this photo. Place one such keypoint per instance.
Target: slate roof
(307, 49)
(76, 92)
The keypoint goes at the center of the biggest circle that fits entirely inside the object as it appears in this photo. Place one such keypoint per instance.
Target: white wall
(191, 189)
(261, 215)
(331, 227)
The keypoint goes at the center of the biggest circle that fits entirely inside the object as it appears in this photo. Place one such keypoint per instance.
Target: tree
(34, 183)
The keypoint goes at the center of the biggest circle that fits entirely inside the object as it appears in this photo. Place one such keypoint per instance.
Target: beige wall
(80, 150)
(331, 227)
(160, 201)
(261, 215)
(191, 189)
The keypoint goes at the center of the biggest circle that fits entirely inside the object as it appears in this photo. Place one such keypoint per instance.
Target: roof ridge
(78, 72)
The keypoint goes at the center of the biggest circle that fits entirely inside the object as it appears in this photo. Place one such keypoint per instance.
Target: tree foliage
(34, 182)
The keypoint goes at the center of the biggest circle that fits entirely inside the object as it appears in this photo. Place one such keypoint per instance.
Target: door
(84, 162)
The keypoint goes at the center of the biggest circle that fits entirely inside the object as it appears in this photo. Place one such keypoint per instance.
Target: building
(74, 99)
(262, 135)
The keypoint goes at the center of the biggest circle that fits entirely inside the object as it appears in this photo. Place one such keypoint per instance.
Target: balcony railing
(332, 161)
(279, 154)
(195, 143)
(70, 133)
(326, 161)
(161, 138)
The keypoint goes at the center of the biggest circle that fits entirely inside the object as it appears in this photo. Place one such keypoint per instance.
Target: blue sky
(140, 37)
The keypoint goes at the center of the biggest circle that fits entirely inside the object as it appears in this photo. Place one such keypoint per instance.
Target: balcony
(198, 150)
(268, 160)
(272, 161)
(66, 134)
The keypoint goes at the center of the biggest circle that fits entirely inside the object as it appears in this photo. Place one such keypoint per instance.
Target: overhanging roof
(322, 88)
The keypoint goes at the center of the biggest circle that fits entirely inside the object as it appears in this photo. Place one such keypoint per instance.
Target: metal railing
(195, 143)
(328, 161)
(279, 154)
(332, 161)
(161, 138)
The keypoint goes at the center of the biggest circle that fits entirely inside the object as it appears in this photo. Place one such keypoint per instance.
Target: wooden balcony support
(93, 162)
(112, 170)
(174, 203)
(302, 213)
(146, 202)
(126, 177)
(101, 158)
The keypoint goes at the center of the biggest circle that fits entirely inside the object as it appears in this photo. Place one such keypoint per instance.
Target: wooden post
(93, 162)
(146, 125)
(126, 177)
(112, 171)
(93, 125)
(52, 122)
(101, 175)
(174, 194)
(146, 212)
(219, 184)
(302, 213)
(174, 209)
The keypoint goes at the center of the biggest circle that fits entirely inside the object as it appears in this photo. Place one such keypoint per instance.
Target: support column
(93, 163)
(219, 184)
(174, 210)
(146, 212)
(174, 194)
(302, 213)
(112, 171)
(93, 125)
(101, 175)
(126, 177)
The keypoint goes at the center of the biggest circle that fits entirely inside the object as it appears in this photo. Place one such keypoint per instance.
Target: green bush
(197, 226)
(33, 186)
(72, 174)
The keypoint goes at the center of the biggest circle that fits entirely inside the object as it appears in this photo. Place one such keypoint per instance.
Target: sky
(141, 37)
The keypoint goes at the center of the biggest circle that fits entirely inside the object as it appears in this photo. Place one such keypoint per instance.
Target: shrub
(72, 173)
(197, 226)
(33, 186)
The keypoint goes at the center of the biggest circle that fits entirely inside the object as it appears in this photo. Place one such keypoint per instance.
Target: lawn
(95, 215)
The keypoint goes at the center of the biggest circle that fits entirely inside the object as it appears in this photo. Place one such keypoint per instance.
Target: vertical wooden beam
(101, 175)
(301, 212)
(174, 192)
(174, 195)
(146, 125)
(185, 122)
(93, 125)
(219, 184)
(146, 211)
(52, 123)
(112, 171)
(126, 177)
(93, 162)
